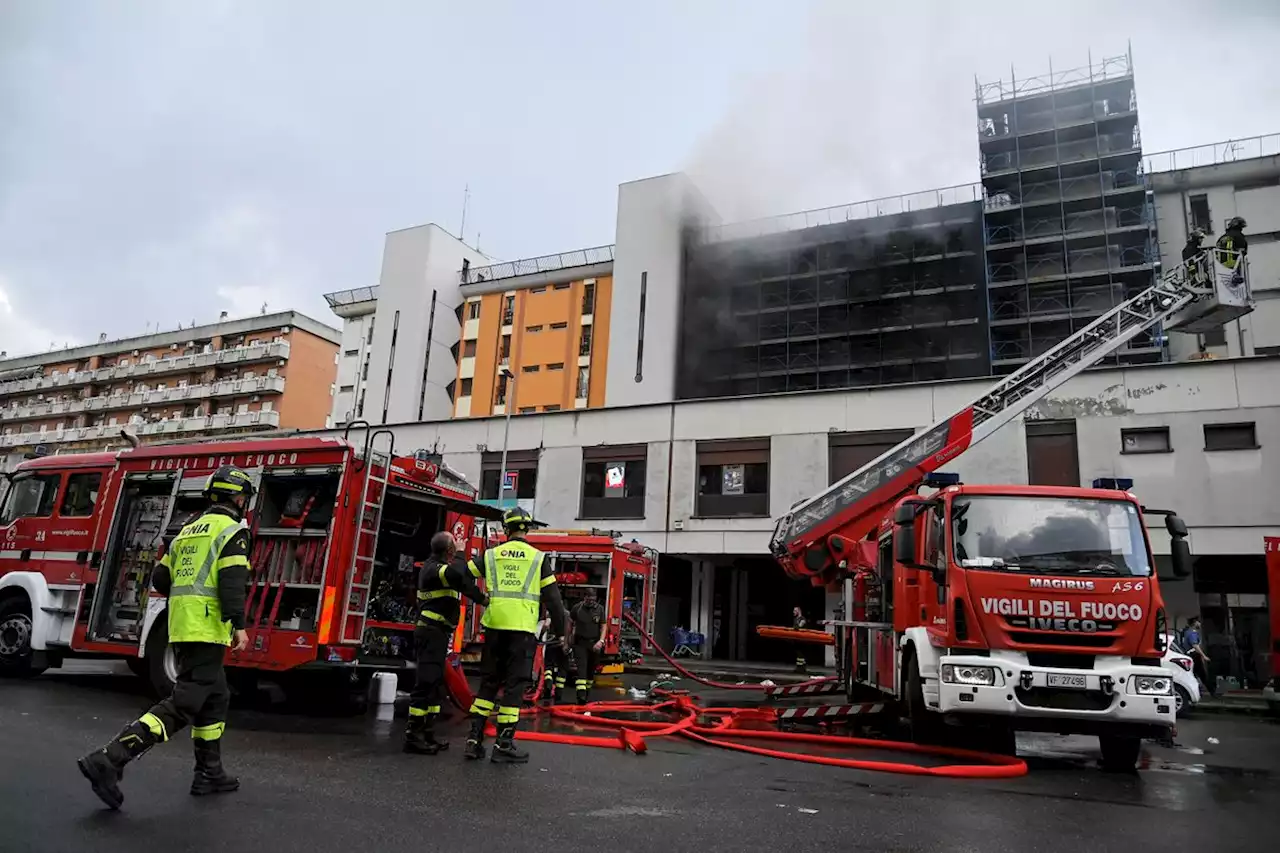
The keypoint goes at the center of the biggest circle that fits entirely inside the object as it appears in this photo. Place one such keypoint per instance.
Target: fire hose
(729, 725)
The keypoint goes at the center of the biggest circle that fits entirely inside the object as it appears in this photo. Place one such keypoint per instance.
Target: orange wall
(309, 375)
(600, 342)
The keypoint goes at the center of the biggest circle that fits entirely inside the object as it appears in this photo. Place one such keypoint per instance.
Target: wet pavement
(318, 783)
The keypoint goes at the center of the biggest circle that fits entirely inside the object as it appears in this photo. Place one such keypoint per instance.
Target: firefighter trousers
(431, 645)
(555, 662)
(586, 658)
(200, 697)
(506, 662)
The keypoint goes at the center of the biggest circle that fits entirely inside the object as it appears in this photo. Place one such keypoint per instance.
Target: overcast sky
(161, 162)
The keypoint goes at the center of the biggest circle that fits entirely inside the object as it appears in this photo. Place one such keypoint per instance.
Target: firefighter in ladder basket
(518, 579)
(442, 581)
(204, 573)
(1232, 246)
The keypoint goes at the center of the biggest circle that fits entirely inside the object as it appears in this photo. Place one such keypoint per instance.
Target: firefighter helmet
(228, 481)
(1236, 223)
(517, 519)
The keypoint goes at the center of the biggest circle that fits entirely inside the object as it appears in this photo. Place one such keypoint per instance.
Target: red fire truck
(1271, 691)
(336, 530)
(1009, 607)
(624, 576)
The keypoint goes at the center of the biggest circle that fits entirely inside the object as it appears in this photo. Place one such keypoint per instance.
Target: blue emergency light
(941, 479)
(1121, 485)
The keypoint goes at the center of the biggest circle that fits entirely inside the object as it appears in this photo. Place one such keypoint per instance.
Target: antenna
(466, 196)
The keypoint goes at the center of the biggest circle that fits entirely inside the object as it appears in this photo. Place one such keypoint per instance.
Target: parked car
(1186, 688)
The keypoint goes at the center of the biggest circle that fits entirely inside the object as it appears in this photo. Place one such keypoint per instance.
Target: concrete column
(702, 588)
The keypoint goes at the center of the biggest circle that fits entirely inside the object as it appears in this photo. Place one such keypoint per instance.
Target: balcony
(269, 351)
(173, 428)
(138, 399)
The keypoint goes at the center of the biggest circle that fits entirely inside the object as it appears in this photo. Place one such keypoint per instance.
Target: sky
(162, 161)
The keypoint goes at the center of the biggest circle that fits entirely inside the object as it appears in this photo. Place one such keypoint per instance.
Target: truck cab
(1029, 608)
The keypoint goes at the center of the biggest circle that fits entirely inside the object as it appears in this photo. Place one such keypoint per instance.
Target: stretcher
(795, 635)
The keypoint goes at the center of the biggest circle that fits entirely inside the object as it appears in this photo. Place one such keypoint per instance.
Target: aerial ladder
(816, 539)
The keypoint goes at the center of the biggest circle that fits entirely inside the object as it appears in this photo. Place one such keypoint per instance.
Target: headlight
(1152, 685)
(980, 676)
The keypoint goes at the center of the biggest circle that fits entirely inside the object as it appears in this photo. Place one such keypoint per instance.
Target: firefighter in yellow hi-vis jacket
(205, 573)
(518, 580)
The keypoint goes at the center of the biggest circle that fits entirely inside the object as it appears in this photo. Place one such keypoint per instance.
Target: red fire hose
(729, 726)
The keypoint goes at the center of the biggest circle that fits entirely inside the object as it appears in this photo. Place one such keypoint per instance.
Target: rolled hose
(631, 734)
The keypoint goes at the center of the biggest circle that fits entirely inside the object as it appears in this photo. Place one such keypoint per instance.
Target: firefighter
(1232, 246)
(799, 623)
(442, 581)
(555, 662)
(205, 574)
(587, 619)
(518, 580)
(1191, 251)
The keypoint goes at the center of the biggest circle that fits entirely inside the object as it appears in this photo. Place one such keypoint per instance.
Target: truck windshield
(1040, 535)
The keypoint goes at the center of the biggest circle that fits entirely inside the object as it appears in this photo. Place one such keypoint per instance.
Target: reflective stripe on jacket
(194, 560)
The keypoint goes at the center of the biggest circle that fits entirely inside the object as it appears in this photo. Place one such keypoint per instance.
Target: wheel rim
(1177, 701)
(15, 636)
(170, 664)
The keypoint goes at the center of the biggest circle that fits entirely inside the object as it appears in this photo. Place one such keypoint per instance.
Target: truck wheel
(924, 723)
(1120, 754)
(162, 666)
(1181, 701)
(16, 658)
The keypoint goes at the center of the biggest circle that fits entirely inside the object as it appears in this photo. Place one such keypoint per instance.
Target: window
(585, 347)
(267, 406)
(509, 310)
(242, 409)
(1230, 437)
(347, 389)
(527, 410)
(542, 289)
(1053, 455)
(558, 365)
(644, 288)
(522, 467)
(1145, 440)
(504, 351)
(469, 349)
(588, 298)
(473, 310)
(369, 339)
(500, 397)
(32, 496)
(613, 481)
(466, 388)
(360, 406)
(733, 478)
(80, 496)
(849, 451)
(1200, 217)
(533, 329)
(584, 382)
(550, 408)
(530, 368)
(558, 326)
(391, 364)
(560, 287)
(364, 371)
(351, 353)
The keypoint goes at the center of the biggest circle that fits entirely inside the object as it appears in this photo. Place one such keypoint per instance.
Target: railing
(175, 426)
(1110, 68)
(531, 266)
(150, 397)
(351, 297)
(1216, 154)
(268, 351)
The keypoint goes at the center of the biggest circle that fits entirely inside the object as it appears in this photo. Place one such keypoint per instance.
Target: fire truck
(623, 576)
(1010, 607)
(1271, 691)
(336, 528)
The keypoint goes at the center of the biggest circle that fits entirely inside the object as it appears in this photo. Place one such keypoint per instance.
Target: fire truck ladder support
(853, 504)
(360, 572)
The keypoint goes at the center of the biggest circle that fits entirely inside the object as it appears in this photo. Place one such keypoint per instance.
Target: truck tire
(925, 724)
(162, 667)
(1120, 754)
(16, 657)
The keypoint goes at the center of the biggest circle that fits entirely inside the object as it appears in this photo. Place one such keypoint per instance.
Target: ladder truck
(1009, 608)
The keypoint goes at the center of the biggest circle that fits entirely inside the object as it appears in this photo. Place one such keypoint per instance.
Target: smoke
(858, 107)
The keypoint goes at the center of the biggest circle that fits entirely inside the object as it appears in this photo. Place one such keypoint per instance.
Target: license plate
(1074, 682)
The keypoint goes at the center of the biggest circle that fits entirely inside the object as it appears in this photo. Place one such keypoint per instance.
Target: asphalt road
(341, 783)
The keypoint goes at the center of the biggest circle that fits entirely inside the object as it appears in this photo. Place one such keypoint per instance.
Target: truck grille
(1064, 700)
(1079, 641)
(1060, 660)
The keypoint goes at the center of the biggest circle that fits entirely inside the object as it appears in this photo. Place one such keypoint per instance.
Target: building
(1069, 225)
(258, 373)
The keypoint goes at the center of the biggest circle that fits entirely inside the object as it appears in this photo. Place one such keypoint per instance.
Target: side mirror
(1180, 556)
(1176, 526)
(904, 542)
(905, 514)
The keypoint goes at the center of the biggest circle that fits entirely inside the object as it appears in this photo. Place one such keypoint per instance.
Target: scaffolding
(1068, 221)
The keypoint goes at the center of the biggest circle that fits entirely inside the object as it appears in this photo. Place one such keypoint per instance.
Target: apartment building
(234, 376)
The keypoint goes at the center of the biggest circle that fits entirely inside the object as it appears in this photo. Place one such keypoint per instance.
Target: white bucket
(382, 688)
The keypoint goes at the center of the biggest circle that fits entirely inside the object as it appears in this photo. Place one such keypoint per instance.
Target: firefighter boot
(505, 750)
(104, 767)
(429, 733)
(475, 738)
(415, 739)
(209, 776)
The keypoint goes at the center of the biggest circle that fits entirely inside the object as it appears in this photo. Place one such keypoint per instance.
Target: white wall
(351, 355)
(416, 263)
(1229, 499)
(650, 215)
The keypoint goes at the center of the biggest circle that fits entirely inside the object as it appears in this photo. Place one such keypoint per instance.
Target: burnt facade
(871, 301)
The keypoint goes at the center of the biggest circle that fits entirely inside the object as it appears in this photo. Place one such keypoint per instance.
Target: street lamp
(506, 434)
